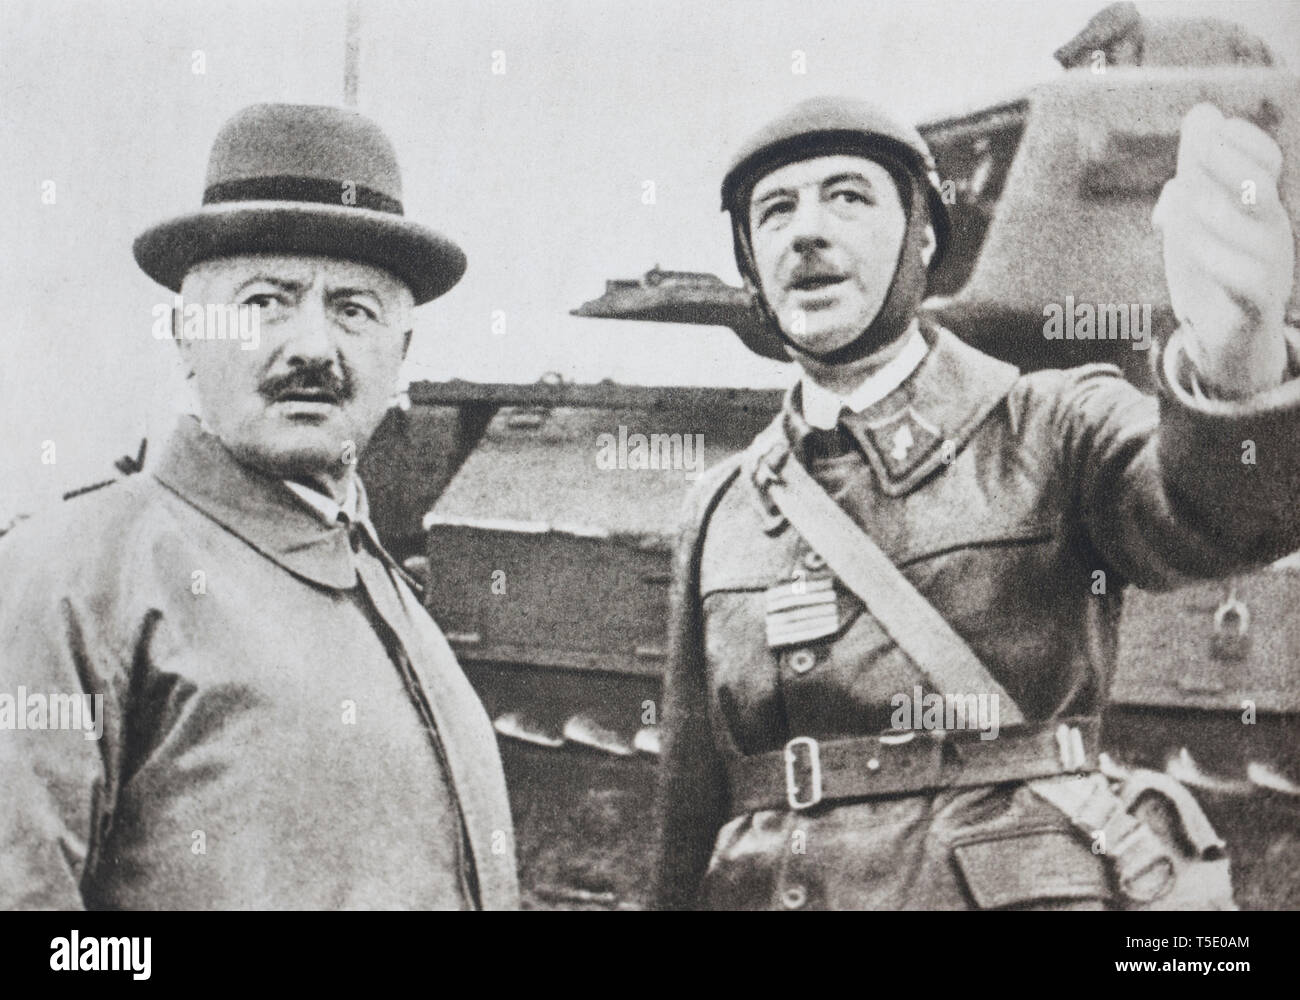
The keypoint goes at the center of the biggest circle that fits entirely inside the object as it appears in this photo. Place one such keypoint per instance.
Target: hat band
(291, 188)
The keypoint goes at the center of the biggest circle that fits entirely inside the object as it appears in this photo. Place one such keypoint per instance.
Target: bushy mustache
(321, 377)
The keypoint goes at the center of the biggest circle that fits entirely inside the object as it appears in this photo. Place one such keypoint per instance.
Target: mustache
(812, 266)
(319, 379)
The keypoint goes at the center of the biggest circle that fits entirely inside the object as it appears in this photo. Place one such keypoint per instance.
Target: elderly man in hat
(277, 721)
(922, 529)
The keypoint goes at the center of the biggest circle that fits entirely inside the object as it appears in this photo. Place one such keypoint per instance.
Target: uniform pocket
(962, 535)
(1032, 869)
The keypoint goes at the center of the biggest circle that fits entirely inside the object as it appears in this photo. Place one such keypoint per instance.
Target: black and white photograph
(650, 456)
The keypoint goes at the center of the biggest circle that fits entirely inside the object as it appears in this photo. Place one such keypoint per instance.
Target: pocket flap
(1018, 868)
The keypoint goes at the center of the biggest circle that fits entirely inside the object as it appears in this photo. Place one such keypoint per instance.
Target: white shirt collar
(821, 407)
(354, 505)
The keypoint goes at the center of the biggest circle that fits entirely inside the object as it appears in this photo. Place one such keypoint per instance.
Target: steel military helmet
(825, 126)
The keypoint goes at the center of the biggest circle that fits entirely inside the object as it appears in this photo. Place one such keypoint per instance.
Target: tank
(548, 557)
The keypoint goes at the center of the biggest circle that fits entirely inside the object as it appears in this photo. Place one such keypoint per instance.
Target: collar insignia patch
(903, 441)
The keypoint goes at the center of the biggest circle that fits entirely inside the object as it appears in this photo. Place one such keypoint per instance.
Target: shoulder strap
(909, 619)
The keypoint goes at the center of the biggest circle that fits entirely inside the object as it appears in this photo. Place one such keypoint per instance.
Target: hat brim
(425, 260)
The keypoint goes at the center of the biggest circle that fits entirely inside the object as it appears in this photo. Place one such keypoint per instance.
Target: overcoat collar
(256, 507)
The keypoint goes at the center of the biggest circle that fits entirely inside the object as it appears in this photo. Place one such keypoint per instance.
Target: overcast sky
(538, 172)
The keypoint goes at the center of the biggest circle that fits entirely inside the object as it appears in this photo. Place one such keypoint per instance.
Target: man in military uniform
(278, 724)
(1003, 499)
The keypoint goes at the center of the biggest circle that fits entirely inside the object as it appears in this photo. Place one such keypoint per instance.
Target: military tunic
(1019, 506)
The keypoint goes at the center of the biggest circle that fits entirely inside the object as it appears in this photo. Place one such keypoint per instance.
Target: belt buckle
(766, 472)
(768, 469)
(814, 765)
(1069, 744)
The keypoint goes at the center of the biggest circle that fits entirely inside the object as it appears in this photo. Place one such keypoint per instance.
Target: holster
(1161, 850)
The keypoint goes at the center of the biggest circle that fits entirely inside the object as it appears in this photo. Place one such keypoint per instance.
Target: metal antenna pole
(352, 54)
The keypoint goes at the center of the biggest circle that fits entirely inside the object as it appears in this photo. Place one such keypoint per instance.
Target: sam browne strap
(906, 616)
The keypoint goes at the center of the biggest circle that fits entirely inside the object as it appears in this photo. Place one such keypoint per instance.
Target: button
(802, 660)
(813, 560)
(794, 897)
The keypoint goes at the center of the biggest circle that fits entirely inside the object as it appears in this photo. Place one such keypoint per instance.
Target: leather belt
(808, 771)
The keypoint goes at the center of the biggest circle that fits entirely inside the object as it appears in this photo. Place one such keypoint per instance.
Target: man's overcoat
(260, 746)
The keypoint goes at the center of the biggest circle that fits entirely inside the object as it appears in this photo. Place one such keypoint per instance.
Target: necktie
(830, 443)
(375, 577)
